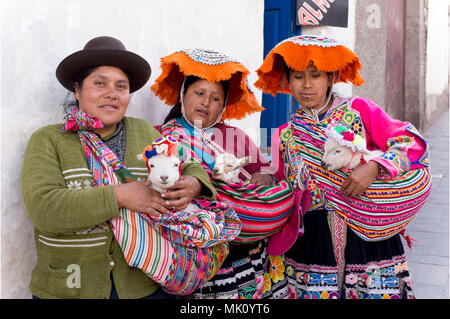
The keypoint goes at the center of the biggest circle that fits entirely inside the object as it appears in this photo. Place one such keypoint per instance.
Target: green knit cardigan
(76, 249)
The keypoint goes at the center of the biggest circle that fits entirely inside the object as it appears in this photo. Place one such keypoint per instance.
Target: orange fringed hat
(298, 52)
(214, 67)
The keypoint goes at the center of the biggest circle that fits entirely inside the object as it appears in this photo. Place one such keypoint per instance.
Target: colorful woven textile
(180, 250)
(386, 207)
(263, 210)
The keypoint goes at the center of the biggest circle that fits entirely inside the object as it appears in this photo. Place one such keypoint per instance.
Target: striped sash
(263, 210)
(383, 211)
(385, 208)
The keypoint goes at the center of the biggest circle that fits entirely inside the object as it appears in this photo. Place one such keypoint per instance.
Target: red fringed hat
(298, 52)
(214, 67)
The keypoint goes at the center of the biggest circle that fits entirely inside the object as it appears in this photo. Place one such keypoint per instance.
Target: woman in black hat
(77, 254)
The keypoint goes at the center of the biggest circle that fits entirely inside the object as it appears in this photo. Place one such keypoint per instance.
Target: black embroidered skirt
(373, 270)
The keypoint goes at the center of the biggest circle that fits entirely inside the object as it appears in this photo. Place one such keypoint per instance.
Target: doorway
(279, 24)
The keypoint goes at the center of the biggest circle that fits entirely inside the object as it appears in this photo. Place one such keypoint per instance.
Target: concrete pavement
(428, 260)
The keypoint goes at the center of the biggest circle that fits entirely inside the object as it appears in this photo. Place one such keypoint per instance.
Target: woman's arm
(405, 149)
(139, 197)
(55, 209)
(52, 207)
(193, 183)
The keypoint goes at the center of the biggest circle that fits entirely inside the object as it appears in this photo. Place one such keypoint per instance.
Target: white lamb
(345, 150)
(227, 167)
(164, 169)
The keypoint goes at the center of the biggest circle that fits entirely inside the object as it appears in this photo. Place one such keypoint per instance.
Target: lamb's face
(336, 156)
(164, 170)
(227, 166)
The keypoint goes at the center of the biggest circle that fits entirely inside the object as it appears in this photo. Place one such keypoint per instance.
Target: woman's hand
(182, 192)
(360, 179)
(261, 179)
(139, 197)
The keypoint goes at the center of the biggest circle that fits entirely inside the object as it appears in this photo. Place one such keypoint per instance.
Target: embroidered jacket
(76, 250)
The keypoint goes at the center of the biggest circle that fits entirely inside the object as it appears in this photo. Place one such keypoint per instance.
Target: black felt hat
(104, 51)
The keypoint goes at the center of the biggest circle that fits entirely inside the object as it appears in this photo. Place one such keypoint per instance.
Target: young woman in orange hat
(350, 247)
(205, 88)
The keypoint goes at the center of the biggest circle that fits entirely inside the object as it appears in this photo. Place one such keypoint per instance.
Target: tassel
(408, 238)
(363, 160)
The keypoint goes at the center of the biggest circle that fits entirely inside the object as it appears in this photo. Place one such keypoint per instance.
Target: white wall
(437, 47)
(37, 35)
(437, 63)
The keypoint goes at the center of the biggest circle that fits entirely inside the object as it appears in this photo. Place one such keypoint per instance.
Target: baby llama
(345, 150)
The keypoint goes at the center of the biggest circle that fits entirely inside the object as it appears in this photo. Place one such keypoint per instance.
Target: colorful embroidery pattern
(275, 279)
(386, 207)
(305, 40)
(383, 280)
(238, 279)
(388, 279)
(312, 281)
(398, 159)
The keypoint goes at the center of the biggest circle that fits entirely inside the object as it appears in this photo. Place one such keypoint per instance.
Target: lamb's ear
(244, 161)
(140, 157)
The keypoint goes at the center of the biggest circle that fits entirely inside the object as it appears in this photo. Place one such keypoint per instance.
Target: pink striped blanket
(383, 211)
(263, 210)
